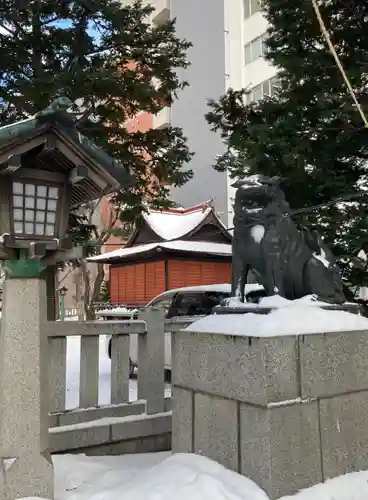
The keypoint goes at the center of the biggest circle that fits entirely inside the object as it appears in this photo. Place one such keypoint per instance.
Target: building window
(251, 7)
(254, 49)
(266, 88)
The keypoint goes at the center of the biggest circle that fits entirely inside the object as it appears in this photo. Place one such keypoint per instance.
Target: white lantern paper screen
(34, 209)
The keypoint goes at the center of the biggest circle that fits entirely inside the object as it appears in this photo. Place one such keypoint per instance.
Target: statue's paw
(225, 302)
(231, 302)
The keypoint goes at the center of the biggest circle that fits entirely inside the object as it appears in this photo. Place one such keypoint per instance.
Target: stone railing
(151, 401)
(150, 358)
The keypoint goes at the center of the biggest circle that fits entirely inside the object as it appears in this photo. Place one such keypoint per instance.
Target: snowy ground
(78, 477)
(160, 476)
(72, 375)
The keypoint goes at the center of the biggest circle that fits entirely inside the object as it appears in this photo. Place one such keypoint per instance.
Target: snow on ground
(184, 476)
(78, 477)
(160, 476)
(352, 486)
(73, 370)
(155, 476)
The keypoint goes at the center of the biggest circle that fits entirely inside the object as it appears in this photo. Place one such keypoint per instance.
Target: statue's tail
(322, 252)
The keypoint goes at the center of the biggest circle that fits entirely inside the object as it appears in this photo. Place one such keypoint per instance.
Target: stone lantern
(47, 168)
(62, 294)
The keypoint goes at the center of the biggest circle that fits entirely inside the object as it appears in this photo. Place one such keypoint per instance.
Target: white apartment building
(228, 45)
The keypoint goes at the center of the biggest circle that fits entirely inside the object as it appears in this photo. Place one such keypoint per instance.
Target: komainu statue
(287, 261)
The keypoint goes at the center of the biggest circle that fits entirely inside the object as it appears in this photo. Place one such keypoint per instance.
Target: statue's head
(256, 192)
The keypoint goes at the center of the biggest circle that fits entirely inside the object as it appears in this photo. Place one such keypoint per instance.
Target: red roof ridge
(183, 211)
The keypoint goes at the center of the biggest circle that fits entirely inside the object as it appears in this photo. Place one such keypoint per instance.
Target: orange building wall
(193, 273)
(137, 284)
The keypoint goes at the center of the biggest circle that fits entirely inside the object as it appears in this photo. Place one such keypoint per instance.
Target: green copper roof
(57, 115)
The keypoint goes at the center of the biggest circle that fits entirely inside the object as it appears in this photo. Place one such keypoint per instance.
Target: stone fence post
(151, 360)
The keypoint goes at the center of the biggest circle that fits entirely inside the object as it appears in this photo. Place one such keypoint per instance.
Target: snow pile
(159, 476)
(80, 477)
(185, 476)
(352, 486)
(293, 320)
(149, 477)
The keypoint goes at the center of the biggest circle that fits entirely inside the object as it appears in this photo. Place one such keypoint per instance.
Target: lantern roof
(50, 141)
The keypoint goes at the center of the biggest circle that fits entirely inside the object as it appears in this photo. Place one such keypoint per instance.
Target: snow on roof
(179, 245)
(175, 223)
(289, 320)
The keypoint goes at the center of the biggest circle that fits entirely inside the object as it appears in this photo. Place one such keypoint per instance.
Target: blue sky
(66, 24)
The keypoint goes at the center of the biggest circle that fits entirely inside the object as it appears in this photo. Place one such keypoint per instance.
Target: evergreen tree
(108, 59)
(310, 132)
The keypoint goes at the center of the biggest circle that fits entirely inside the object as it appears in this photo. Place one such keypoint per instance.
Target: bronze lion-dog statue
(287, 260)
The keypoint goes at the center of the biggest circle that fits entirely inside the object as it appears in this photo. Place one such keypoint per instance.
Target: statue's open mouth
(255, 202)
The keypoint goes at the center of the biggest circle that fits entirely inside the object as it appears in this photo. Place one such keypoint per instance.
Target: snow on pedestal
(281, 397)
(297, 317)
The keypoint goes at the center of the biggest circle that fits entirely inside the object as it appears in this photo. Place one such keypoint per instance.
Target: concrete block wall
(287, 412)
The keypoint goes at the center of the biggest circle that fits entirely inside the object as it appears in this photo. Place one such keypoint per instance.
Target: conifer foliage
(107, 57)
(310, 132)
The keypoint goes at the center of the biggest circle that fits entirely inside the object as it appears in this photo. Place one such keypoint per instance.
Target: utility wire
(291, 213)
(330, 45)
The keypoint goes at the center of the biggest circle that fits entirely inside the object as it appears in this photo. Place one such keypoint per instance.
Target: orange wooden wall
(194, 273)
(139, 283)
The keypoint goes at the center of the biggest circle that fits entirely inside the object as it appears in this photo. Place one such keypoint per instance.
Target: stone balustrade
(149, 329)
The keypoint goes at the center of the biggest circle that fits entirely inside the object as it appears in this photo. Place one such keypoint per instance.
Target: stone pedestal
(26, 466)
(287, 412)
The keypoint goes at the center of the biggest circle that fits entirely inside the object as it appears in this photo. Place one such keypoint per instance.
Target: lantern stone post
(26, 462)
(47, 168)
